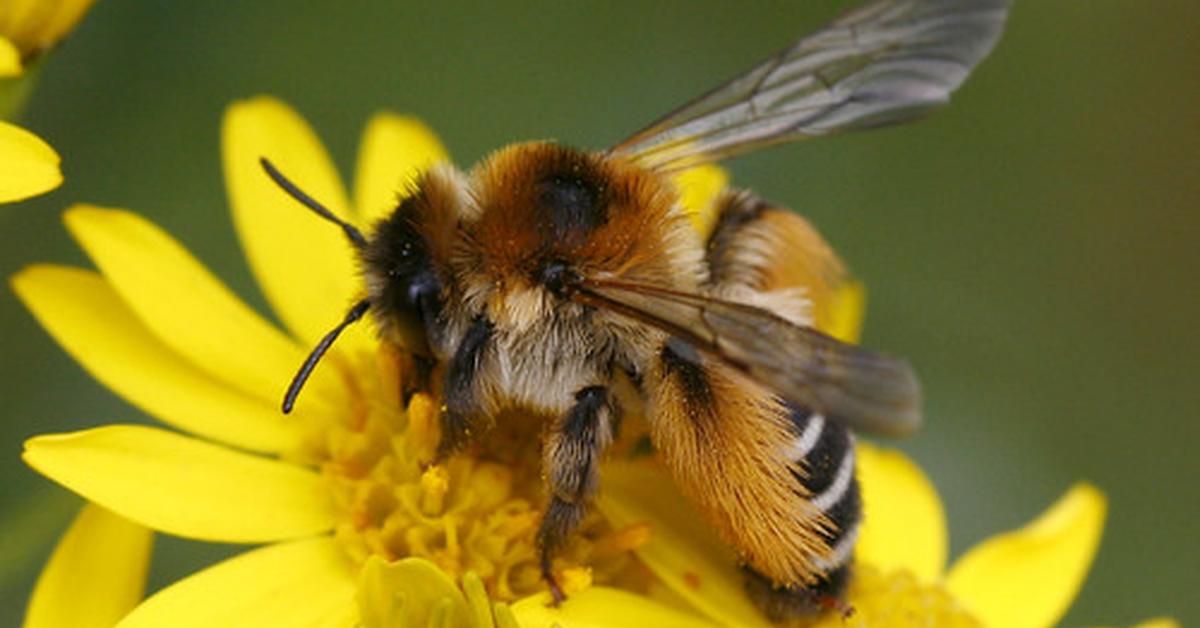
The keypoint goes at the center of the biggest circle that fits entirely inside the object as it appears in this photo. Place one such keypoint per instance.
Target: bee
(547, 276)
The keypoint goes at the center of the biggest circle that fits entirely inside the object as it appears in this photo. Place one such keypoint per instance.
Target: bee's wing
(887, 62)
(865, 390)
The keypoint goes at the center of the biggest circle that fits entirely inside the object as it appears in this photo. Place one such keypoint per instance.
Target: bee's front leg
(463, 415)
(571, 459)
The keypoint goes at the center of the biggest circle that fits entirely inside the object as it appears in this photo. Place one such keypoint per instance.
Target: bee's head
(406, 260)
(547, 215)
(403, 284)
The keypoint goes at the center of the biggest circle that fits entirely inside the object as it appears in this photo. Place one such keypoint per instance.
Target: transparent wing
(887, 62)
(865, 390)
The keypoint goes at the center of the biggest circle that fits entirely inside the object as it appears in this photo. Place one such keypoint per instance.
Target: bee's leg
(571, 458)
(463, 415)
(419, 374)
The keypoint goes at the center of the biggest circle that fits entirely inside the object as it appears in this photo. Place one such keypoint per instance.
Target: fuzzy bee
(547, 276)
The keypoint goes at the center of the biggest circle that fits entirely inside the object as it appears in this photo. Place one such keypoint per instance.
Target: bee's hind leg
(571, 459)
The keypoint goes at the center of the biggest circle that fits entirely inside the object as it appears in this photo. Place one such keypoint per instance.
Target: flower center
(478, 511)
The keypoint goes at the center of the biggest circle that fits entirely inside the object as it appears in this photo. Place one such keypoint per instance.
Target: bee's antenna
(352, 232)
(306, 369)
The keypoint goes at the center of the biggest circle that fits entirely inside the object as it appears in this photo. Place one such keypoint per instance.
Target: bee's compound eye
(418, 311)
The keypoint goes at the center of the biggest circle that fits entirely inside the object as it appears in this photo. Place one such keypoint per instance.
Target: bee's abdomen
(823, 454)
(824, 451)
(777, 484)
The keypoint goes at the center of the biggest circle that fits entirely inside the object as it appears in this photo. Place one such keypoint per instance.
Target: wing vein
(888, 62)
(862, 389)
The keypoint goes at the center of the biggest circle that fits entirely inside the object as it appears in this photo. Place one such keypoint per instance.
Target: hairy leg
(571, 459)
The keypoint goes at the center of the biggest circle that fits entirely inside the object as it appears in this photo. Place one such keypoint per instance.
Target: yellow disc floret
(475, 512)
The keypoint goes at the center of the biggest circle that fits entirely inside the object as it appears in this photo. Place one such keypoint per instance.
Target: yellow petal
(682, 551)
(188, 308)
(503, 615)
(28, 166)
(10, 59)
(185, 486)
(1158, 622)
(601, 607)
(60, 21)
(904, 526)
(303, 263)
(699, 188)
(844, 317)
(96, 574)
(18, 18)
(394, 151)
(301, 584)
(36, 25)
(83, 313)
(408, 592)
(478, 603)
(1029, 577)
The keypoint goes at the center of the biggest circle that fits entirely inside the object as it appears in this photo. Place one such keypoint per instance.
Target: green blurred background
(1032, 248)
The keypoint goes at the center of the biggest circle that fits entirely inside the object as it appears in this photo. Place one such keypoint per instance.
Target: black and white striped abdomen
(824, 451)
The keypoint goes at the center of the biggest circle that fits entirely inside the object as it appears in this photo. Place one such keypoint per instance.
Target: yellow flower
(353, 529)
(95, 576)
(28, 28)
(333, 485)
(28, 166)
